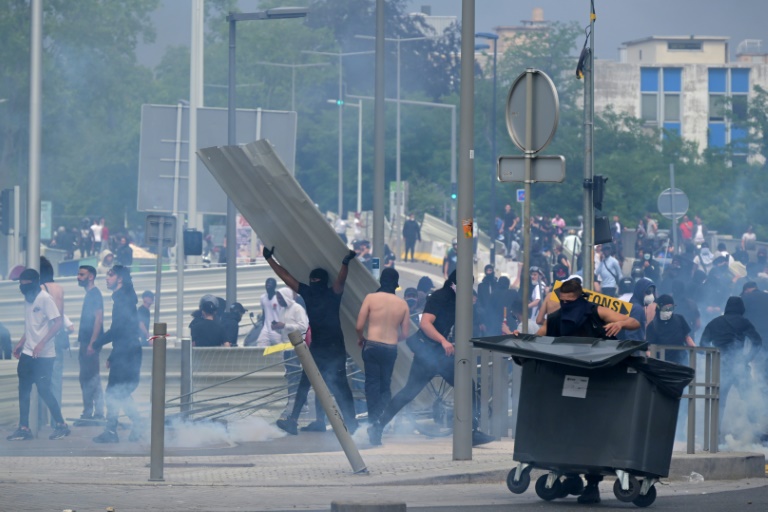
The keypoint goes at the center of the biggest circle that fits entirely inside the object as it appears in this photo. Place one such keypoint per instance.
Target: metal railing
(710, 393)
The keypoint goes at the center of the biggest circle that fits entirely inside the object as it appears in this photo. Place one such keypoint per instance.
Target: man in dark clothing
(327, 348)
(579, 317)
(231, 323)
(124, 362)
(143, 314)
(728, 333)
(432, 356)
(124, 252)
(6, 347)
(411, 235)
(756, 311)
(669, 328)
(510, 225)
(91, 327)
(486, 293)
(642, 298)
(207, 332)
(451, 258)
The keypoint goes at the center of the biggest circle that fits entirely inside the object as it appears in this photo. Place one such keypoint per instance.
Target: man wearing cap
(433, 356)
(388, 321)
(327, 348)
(36, 355)
(124, 362)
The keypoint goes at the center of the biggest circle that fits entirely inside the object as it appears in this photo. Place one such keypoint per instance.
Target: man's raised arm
(281, 272)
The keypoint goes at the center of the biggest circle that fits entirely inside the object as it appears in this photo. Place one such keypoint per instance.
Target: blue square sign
(521, 195)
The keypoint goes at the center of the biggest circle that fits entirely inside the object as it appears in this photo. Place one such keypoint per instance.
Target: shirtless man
(388, 320)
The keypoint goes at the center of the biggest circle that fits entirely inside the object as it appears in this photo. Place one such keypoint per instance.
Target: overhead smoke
(196, 434)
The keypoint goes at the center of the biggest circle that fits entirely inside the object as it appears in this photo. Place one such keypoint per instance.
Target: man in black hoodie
(124, 362)
(728, 333)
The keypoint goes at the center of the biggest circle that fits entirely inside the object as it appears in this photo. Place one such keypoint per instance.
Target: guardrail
(710, 393)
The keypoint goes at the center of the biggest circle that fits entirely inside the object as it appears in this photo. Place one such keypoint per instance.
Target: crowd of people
(94, 239)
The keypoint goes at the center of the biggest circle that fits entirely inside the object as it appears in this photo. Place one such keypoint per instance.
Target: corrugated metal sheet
(284, 216)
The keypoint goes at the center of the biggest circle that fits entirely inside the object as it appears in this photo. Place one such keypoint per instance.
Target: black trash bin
(588, 406)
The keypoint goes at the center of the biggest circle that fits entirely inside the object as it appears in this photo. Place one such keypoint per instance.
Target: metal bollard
(329, 405)
(157, 446)
(186, 376)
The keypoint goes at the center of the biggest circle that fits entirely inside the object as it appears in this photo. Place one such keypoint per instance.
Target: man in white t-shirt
(272, 311)
(36, 354)
(96, 230)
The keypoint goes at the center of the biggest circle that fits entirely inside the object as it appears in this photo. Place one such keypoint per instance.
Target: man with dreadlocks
(388, 321)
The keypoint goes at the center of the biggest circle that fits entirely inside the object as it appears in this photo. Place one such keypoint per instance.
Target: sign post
(532, 114)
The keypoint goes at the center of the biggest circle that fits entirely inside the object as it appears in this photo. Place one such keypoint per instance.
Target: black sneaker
(315, 426)
(61, 430)
(108, 436)
(479, 438)
(590, 495)
(288, 425)
(21, 434)
(374, 434)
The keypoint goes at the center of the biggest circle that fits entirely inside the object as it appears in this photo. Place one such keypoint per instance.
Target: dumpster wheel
(554, 492)
(645, 500)
(521, 485)
(630, 494)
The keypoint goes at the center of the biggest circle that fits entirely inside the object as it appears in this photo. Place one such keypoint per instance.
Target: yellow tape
(598, 298)
(277, 348)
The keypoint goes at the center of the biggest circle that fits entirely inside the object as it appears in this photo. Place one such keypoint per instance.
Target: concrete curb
(718, 466)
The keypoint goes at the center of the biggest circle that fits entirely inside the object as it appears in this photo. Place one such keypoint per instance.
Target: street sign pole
(672, 203)
(527, 204)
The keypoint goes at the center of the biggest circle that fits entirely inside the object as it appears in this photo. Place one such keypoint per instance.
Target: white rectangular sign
(575, 387)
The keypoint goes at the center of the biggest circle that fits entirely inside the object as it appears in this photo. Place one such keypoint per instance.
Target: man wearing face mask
(669, 328)
(388, 322)
(432, 356)
(36, 354)
(643, 309)
(579, 317)
(327, 348)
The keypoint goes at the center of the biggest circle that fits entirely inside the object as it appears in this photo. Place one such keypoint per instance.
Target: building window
(685, 45)
(661, 97)
(728, 108)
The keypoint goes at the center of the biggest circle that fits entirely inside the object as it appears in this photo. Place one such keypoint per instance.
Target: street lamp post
(490, 36)
(359, 108)
(340, 103)
(233, 18)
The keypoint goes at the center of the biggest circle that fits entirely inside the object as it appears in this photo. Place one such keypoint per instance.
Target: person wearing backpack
(609, 272)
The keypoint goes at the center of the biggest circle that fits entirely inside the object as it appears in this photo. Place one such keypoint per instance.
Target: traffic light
(598, 189)
(340, 103)
(454, 193)
(6, 202)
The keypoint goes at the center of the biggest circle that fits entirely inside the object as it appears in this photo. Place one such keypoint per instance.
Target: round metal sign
(544, 108)
(665, 203)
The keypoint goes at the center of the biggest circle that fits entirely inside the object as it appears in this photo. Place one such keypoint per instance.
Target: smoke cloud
(187, 434)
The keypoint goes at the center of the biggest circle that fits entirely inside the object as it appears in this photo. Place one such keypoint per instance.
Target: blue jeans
(379, 359)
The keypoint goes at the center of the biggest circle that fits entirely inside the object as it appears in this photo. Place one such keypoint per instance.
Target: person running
(388, 322)
(432, 356)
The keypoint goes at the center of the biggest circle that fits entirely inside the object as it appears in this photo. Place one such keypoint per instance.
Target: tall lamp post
(490, 36)
(269, 14)
(359, 108)
(340, 103)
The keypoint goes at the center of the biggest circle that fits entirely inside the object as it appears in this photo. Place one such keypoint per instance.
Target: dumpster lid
(567, 350)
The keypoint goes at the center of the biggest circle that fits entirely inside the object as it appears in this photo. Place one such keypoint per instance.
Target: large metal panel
(158, 145)
(283, 215)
